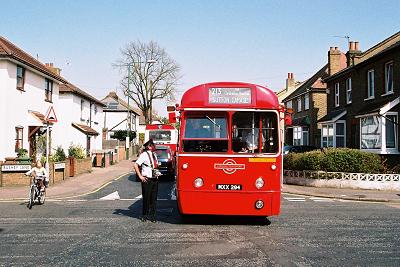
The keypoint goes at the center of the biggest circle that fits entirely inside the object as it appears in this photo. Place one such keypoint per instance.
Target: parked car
(298, 149)
(166, 161)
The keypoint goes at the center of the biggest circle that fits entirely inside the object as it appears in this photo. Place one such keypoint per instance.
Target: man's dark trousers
(149, 193)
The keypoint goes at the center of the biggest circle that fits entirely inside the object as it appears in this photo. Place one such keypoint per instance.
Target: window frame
(19, 138)
(337, 94)
(307, 101)
(370, 84)
(300, 131)
(349, 91)
(334, 136)
(48, 90)
(383, 149)
(20, 78)
(289, 104)
(387, 91)
(299, 104)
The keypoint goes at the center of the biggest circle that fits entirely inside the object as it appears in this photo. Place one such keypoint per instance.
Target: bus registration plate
(229, 187)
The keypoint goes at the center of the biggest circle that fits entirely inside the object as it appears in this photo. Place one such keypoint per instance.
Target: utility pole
(128, 116)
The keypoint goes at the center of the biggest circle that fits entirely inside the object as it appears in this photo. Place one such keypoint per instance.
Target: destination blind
(229, 95)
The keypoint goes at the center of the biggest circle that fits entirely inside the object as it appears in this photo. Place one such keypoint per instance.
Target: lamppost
(128, 115)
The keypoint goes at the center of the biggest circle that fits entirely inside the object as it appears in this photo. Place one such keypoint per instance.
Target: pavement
(100, 177)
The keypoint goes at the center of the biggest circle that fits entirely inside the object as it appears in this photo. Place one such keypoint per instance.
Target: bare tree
(151, 73)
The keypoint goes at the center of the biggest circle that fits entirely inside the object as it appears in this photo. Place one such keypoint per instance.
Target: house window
(289, 104)
(327, 135)
(82, 106)
(300, 136)
(391, 131)
(389, 78)
(299, 104)
(340, 134)
(348, 91)
(306, 101)
(371, 132)
(49, 90)
(20, 77)
(19, 133)
(380, 133)
(337, 94)
(371, 84)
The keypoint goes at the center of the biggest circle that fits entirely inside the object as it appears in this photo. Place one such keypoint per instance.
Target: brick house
(308, 102)
(363, 99)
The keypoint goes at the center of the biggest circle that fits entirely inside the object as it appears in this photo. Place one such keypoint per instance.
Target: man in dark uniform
(148, 176)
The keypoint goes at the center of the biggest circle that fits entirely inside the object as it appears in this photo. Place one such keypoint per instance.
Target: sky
(256, 41)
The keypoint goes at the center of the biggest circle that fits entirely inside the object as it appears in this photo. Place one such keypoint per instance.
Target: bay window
(300, 136)
(334, 134)
(379, 133)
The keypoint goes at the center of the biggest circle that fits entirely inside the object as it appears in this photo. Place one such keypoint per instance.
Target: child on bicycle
(40, 171)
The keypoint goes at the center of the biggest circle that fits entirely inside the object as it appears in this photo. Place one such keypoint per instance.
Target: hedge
(335, 160)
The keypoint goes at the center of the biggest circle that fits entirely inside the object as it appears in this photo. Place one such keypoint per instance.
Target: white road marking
(139, 197)
(295, 199)
(112, 196)
(321, 199)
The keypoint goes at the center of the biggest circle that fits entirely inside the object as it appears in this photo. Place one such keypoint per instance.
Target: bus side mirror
(172, 117)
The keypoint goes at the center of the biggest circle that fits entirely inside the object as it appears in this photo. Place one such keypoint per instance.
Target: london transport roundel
(229, 166)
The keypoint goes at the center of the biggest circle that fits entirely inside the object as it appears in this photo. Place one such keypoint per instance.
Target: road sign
(51, 115)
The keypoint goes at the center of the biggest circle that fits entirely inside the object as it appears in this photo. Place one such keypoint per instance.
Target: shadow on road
(167, 212)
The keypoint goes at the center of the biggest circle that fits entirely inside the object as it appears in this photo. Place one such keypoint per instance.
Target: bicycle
(36, 192)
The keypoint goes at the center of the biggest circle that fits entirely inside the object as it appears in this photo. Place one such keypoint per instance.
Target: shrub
(76, 151)
(335, 160)
(59, 155)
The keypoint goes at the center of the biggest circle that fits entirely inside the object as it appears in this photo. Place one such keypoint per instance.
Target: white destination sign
(15, 168)
(226, 95)
(58, 166)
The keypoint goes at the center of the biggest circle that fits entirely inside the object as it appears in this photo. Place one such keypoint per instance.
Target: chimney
(290, 82)
(353, 53)
(53, 69)
(334, 55)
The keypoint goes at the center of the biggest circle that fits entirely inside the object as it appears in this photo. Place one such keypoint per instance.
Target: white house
(81, 118)
(116, 116)
(27, 90)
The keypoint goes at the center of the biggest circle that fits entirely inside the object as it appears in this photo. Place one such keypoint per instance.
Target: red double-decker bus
(162, 134)
(229, 159)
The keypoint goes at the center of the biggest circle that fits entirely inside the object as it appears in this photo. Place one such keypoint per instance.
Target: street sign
(51, 115)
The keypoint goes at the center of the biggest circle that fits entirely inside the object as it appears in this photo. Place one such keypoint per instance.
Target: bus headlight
(185, 166)
(273, 167)
(198, 182)
(259, 183)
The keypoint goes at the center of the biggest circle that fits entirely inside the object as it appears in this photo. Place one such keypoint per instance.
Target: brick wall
(83, 166)
(19, 178)
(14, 178)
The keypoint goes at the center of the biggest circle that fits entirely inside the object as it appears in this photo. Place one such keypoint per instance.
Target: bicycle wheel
(42, 197)
(31, 197)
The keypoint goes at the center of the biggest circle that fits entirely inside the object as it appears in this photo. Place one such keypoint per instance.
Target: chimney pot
(356, 46)
(351, 46)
